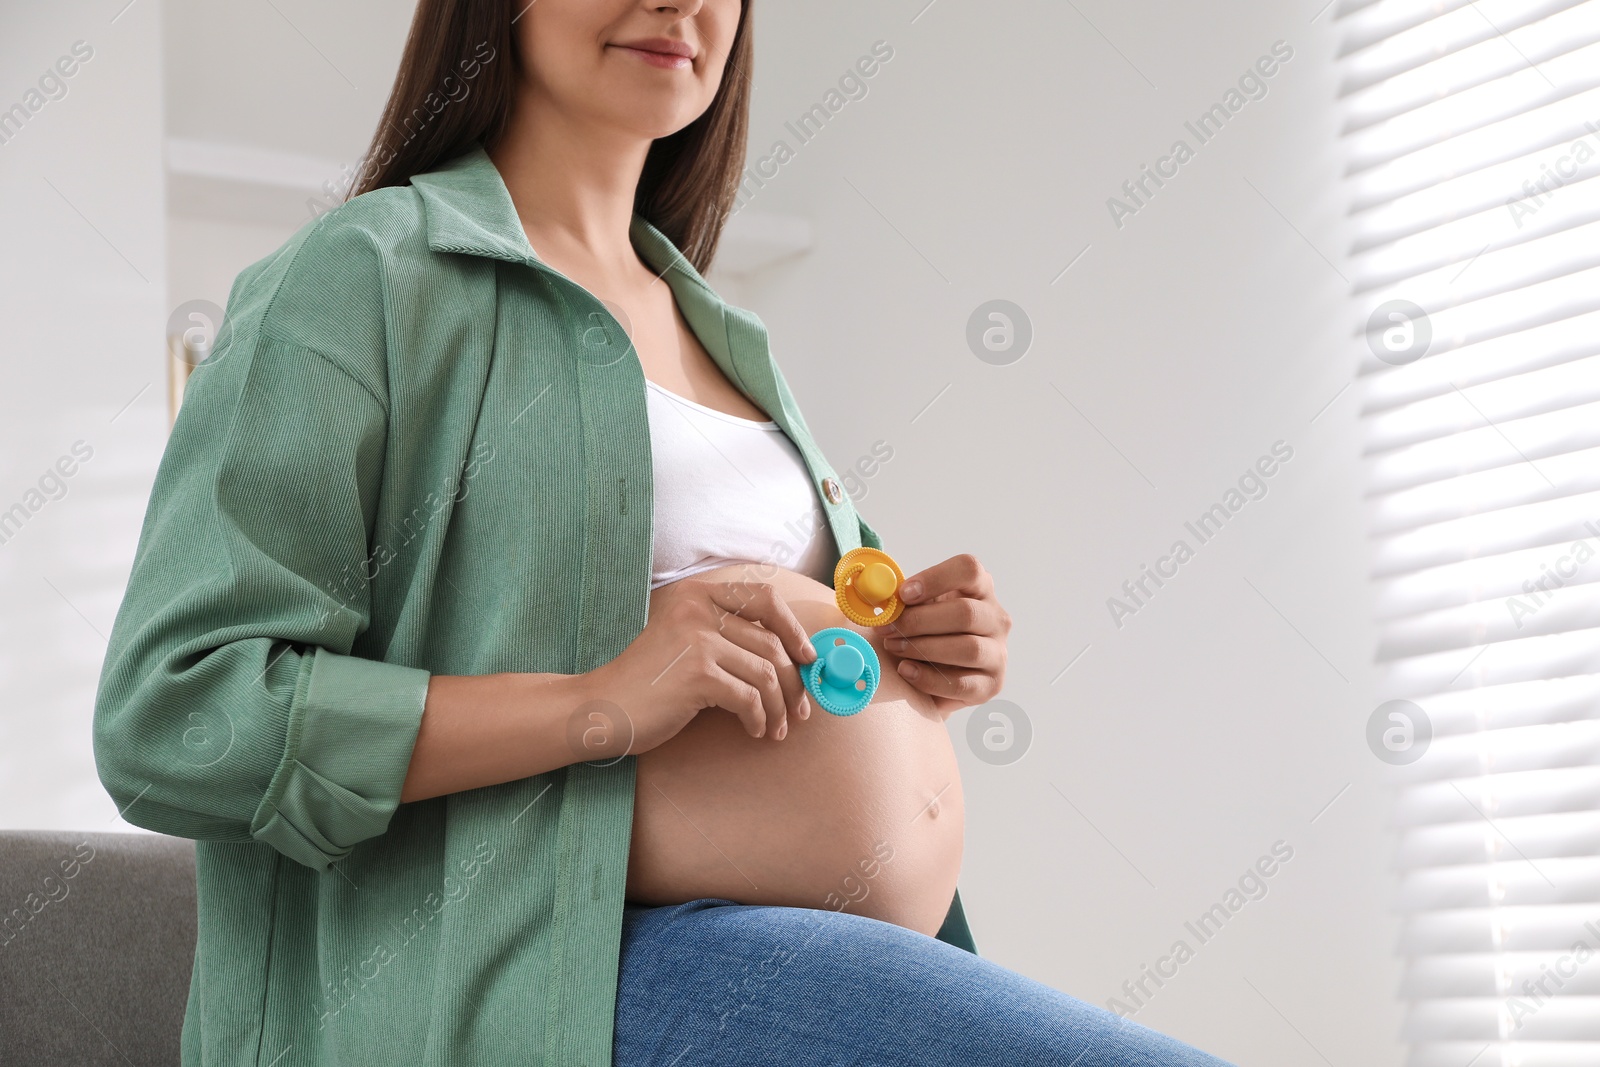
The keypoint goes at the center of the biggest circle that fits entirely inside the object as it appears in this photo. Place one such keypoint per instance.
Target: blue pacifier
(844, 675)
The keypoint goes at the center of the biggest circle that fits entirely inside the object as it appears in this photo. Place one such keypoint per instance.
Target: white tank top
(730, 490)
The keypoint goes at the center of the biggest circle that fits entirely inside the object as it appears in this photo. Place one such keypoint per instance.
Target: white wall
(1185, 743)
(82, 296)
(1174, 752)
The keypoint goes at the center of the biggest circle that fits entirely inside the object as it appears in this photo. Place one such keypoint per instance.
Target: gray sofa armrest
(97, 936)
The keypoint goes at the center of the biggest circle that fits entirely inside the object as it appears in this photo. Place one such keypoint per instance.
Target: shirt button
(831, 490)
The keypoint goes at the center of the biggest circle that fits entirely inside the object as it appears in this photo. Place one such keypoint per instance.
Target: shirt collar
(469, 210)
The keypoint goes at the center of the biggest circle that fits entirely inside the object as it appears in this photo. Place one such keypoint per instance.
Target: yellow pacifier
(866, 583)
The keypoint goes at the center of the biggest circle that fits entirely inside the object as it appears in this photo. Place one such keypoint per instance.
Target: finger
(757, 602)
(956, 650)
(759, 674)
(738, 698)
(968, 686)
(962, 615)
(961, 574)
(753, 637)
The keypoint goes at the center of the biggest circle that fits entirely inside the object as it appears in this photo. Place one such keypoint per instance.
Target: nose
(684, 8)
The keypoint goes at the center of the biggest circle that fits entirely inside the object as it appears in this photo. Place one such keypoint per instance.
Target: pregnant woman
(465, 626)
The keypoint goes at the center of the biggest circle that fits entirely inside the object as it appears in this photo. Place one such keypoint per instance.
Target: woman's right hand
(724, 645)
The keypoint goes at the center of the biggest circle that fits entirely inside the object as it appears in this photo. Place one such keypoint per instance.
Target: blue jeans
(712, 983)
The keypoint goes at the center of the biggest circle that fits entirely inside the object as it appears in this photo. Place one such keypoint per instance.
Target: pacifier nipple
(844, 667)
(876, 583)
(866, 582)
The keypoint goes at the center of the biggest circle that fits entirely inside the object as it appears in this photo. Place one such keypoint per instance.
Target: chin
(647, 111)
(650, 120)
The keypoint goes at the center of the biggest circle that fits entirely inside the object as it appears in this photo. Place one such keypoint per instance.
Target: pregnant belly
(860, 813)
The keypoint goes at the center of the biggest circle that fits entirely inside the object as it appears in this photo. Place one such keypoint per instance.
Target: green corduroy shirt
(417, 449)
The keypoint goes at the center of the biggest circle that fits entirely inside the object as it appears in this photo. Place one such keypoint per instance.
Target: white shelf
(240, 183)
(755, 240)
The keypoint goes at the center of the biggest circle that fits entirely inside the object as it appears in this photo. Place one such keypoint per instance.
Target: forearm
(483, 730)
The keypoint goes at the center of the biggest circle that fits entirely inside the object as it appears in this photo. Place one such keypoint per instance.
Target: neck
(572, 183)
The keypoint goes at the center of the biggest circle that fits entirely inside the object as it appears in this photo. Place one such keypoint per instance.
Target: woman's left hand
(951, 636)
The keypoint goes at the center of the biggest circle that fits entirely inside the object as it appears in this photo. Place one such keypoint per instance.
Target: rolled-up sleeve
(345, 757)
(232, 705)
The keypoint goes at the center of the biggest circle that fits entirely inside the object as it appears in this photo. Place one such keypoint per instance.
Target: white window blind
(1473, 145)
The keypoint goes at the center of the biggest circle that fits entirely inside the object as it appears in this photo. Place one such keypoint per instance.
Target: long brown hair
(455, 88)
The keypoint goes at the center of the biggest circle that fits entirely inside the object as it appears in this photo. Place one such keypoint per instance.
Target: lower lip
(659, 59)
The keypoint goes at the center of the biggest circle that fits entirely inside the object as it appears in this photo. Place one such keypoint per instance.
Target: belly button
(931, 808)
